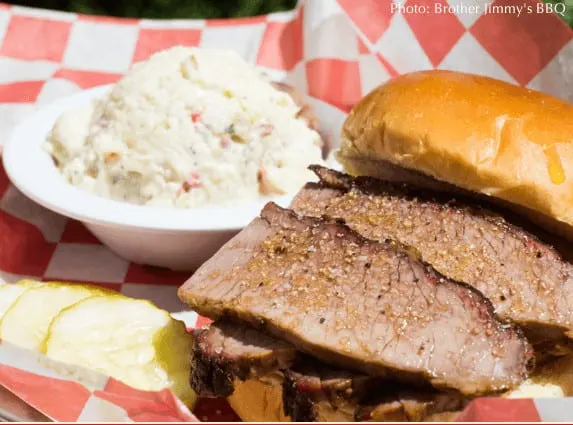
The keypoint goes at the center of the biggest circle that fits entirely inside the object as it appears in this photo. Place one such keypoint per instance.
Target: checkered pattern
(45, 55)
(77, 394)
(336, 50)
(67, 393)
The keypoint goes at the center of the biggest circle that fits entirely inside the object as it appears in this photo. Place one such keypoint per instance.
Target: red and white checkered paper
(336, 50)
(67, 393)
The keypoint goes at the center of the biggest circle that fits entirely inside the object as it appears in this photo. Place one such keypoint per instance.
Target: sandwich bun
(450, 130)
(455, 132)
(551, 380)
(258, 400)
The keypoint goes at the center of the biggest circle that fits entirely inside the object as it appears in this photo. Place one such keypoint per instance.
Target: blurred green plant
(164, 9)
(564, 8)
(198, 9)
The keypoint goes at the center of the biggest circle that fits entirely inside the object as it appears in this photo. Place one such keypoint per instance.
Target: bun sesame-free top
(474, 132)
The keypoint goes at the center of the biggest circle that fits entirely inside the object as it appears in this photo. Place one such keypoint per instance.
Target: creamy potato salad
(188, 127)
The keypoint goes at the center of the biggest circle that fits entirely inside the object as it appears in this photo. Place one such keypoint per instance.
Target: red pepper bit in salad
(192, 182)
(195, 116)
(225, 142)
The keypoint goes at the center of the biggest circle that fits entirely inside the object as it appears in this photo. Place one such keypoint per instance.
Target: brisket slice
(358, 304)
(527, 280)
(317, 393)
(224, 351)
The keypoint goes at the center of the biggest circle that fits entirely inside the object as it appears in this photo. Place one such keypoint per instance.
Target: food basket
(334, 50)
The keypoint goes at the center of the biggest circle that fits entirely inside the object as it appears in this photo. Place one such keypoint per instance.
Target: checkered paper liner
(335, 50)
(67, 393)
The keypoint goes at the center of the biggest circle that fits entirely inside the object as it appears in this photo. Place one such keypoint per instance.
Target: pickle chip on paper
(131, 340)
(46, 301)
(67, 393)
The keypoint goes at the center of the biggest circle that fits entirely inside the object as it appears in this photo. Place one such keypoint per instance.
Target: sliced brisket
(527, 281)
(359, 304)
(223, 352)
(312, 391)
(315, 393)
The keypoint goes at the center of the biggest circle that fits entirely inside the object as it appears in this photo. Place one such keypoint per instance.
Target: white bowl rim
(41, 182)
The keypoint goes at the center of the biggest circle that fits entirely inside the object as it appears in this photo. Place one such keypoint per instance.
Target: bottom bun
(551, 380)
(258, 400)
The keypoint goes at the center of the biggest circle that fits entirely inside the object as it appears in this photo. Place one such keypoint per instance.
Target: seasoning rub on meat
(363, 305)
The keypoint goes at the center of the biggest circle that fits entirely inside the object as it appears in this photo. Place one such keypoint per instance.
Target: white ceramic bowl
(179, 239)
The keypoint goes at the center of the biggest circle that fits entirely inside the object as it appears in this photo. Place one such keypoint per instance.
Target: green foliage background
(164, 9)
(568, 15)
(189, 9)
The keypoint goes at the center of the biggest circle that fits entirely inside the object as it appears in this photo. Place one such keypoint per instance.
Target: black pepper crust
(461, 201)
(377, 299)
(211, 376)
(527, 279)
(309, 387)
(224, 352)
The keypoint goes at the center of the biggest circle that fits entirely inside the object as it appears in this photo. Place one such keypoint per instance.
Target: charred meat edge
(309, 386)
(549, 338)
(216, 365)
(524, 366)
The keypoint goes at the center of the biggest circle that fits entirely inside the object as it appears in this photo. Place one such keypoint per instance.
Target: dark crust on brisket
(298, 405)
(309, 384)
(223, 352)
(210, 375)
(460, 201)
(523, 258)
(309, 387)
(288, 239)
(408, 406)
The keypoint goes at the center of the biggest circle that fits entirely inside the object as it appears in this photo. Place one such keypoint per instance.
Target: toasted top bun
(474, 132)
